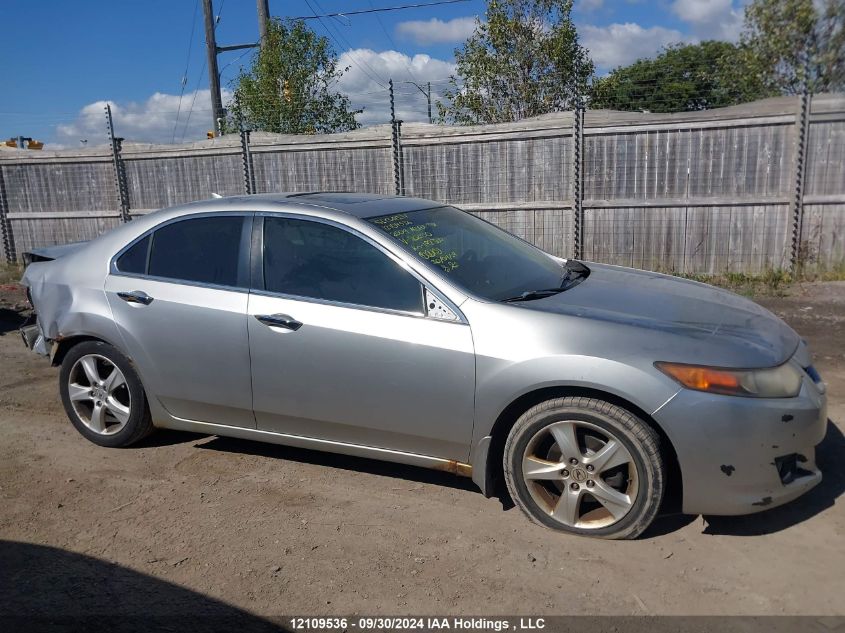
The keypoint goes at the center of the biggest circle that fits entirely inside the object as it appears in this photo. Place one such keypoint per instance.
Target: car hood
(713, 318)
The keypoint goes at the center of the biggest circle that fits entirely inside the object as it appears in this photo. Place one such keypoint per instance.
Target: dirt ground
(194, 522)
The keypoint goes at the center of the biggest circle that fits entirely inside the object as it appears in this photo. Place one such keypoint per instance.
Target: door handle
(136, 296)
(279, 320)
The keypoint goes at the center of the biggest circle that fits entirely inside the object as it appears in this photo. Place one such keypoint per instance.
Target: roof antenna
(215, 195)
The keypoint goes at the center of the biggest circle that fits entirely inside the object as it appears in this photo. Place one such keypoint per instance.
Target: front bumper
(744, 455)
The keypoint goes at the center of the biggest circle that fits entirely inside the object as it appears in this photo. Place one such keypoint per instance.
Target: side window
(204, 250)
(312, 259)
(135, 259)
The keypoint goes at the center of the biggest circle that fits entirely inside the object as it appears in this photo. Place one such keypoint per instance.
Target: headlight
(774, 382)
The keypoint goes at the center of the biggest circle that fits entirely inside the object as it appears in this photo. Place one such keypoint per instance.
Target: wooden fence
(743, 189)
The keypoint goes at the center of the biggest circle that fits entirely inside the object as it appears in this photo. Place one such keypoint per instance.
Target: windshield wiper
(575, 272)
(528, 295)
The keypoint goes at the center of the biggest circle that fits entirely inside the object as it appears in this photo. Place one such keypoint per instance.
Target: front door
(342, 350)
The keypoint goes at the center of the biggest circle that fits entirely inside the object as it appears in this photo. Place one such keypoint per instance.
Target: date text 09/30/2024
(415, 623)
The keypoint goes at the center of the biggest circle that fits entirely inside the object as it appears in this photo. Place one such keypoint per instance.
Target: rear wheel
(585, 466)
(103, 396)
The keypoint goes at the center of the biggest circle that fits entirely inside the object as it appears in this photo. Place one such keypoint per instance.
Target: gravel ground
(187, 522)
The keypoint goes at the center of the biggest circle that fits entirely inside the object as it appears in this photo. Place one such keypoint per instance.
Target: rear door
(179, 297)
(343, 349)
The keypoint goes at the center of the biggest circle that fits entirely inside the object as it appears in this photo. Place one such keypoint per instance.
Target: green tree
(290, 87)
(682, 78)
(524, 60)
(796, 41)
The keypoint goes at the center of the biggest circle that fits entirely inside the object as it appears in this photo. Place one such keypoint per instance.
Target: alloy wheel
(99, 394)
(580, 474)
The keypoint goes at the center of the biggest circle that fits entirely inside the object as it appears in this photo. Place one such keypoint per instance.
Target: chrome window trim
(182, 282)
(243, 257)
(424, 283)
(339, 304)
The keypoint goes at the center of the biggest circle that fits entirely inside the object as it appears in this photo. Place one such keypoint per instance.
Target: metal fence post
(395, 135)
(8, 239)
(578, 177)
(400, 157)
(802, 127)
(246, 158)
(119, 168)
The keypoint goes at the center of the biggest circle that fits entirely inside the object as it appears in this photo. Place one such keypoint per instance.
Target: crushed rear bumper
(34, 338)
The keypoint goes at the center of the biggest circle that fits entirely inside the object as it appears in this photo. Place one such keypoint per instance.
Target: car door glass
(317, 260)
(134, 260)
(204, 250)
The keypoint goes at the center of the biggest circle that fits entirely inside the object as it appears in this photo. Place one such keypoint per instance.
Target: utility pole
(213, 51)
(263, 18)
(426, 91)
(213, 73)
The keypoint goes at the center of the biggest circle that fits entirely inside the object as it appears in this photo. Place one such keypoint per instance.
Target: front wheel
(585, 466)
(103, 396)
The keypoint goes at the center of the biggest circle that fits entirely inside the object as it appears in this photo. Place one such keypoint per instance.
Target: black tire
(640, 440)
(139, 424)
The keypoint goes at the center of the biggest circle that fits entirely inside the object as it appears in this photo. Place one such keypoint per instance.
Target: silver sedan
(405, 330)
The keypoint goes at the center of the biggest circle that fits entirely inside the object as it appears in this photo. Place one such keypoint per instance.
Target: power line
(392, 43)
(196, 89)
(378, 9)
(225, 66)
(187, 65)
(374, 76)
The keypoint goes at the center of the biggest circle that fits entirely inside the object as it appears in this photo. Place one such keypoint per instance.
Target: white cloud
(366, 82)
(620, 44)
(152, 121)
(436, 31)
(698, 11)
(711, 19)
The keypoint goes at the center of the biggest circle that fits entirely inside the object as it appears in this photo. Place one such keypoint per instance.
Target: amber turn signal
(783, 381)
(701, 378)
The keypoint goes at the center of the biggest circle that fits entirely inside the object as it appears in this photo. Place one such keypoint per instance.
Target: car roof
(361, 205)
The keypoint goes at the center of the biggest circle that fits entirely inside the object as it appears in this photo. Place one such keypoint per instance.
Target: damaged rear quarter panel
(69, 299)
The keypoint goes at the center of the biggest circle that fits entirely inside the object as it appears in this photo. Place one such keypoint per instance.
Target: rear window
(205, 250)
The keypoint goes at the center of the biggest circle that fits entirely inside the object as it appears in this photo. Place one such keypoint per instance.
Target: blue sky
(61, 60)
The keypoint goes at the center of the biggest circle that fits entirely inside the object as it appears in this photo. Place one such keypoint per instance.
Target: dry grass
(10, 273)
(775, 282)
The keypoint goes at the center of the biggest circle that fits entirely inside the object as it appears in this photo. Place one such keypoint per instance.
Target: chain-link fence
(744, 188)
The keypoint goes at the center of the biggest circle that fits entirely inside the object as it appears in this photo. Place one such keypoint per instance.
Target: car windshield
(476, 255)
